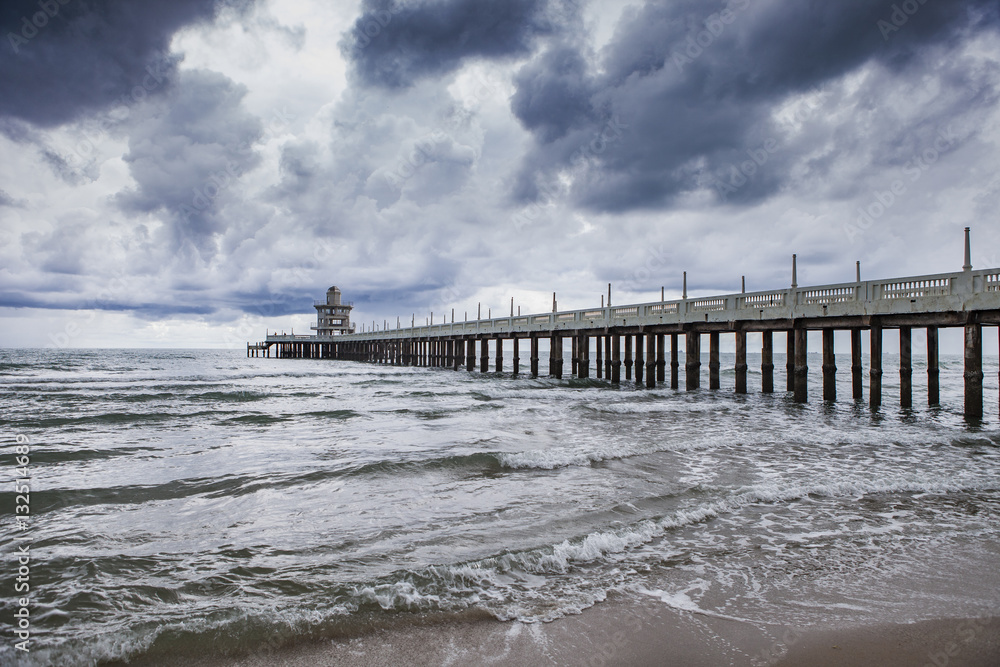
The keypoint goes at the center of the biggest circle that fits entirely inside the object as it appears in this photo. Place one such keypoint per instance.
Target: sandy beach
(634, 632)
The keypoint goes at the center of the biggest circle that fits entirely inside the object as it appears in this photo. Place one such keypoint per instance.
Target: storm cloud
(201, 170)
(64, 58)
(699, 86)
(393, 44)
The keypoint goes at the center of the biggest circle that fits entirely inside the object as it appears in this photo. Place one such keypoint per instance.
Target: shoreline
(631, 631)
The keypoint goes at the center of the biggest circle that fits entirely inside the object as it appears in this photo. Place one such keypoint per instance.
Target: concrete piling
(933, 367)
(692, 366)
(905, 369)
(767, 362)
(741, 362)
(829, 367)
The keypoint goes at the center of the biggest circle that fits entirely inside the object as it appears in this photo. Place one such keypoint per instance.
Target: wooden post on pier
(499, 354)
(556, 354)
(639, 365)
(616, 360)
(533, 359)
(790, 361)
(767, 362)
(484, 355)
(905, 369)
(713, 360)
(517, 359)
(741, 362)
(875, 372)
(661, 362)
(674, 362)
(933, 367)
(829, 366)
(801, 365)
(973, 371)
(692, 344)
(600, 363)
(650, 361)
(628, 356)
(857, 370)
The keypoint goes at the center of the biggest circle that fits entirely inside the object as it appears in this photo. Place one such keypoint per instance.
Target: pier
(649, 334)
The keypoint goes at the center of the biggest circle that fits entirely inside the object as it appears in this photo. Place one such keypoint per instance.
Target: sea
(199, 502)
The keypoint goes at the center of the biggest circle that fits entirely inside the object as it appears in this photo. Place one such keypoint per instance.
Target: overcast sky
(193, 172)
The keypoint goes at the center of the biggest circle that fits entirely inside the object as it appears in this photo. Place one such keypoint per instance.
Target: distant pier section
(635, 336)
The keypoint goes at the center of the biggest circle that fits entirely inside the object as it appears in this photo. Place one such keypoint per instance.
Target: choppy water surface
(198, 500)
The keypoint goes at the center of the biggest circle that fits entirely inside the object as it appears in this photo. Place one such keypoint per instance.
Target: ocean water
(199, 502)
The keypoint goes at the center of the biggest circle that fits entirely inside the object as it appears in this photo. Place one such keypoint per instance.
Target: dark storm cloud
(392, 44)
(188, 151)
(692, 86)
(61, 59)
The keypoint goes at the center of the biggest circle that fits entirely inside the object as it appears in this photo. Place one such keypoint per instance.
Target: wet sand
(635, 633)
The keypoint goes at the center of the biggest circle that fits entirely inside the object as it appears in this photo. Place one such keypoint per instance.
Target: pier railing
(945, 292)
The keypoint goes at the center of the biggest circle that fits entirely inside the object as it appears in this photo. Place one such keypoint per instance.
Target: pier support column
(973, 371)
(499, 355)
(639, 365)
(801, 366)
(616, 361)
(484, 355)
(470, 355)
(790, 362)
(607, 356)
(661, 362)
(741, 362)
(459, 353)
(693, 354)
(713, 360)
(556, 353)
(767, 362)
(905, 368)
(875, 372)
(933, 367)
(650, 361)
(533, 359)
(599, 345)
(584, 346)
(857, 370)
(628, 356)
(829, 367)
(574, 356)
(675, 364)
(517, 359)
